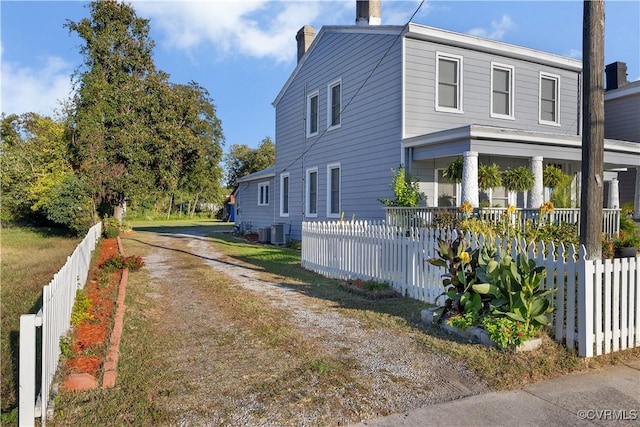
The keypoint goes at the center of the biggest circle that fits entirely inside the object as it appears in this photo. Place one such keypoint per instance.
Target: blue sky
(244, 51)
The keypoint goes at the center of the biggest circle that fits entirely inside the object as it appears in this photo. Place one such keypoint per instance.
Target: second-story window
(334, 104)
(312, 114)
(449, 83)
(502, 91)
(549, 103)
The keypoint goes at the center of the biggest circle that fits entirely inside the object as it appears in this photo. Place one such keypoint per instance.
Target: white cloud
(39, 90)
(256, 28)
(497, 30)
(260, 29)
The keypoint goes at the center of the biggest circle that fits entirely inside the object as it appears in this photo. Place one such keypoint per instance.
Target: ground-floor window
(333, 190)
(447, 192)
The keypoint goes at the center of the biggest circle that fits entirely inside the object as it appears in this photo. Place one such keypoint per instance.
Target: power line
(306, 150)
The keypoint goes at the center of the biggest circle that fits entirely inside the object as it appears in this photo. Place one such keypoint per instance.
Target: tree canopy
(243, 160)
(35, 168)
(128, 135)
(132, 132)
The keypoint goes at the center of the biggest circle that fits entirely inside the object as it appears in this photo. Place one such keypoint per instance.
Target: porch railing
(427, 216)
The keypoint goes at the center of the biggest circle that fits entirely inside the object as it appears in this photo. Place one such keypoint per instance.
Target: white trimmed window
(502, 91)
(333, 190)
(549, 101)
(284, 194)
(312, 114)
(312, 192)
(263, 193)
(448, 83)
(334, 104)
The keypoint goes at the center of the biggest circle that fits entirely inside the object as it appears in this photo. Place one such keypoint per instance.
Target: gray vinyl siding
(622, 118)
(622, 121)
(367, 143)
(247, 204)
(421, 116)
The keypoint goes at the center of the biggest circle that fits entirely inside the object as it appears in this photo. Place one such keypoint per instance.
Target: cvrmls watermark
(608, 414)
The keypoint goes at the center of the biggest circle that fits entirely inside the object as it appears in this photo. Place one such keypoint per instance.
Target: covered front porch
(426, 157)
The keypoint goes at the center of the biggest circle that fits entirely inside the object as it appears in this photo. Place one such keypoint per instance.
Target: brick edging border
(111, 360)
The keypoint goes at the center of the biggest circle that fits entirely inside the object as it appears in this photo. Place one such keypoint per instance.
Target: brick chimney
(368, 12)
(616, 74)
(304, 38)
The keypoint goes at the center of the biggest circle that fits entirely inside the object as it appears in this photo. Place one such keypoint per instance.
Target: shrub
(133, 263)
(506, 332)
(110, 228)
(70, 205)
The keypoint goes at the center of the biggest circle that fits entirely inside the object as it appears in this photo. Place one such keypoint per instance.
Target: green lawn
(30, 258)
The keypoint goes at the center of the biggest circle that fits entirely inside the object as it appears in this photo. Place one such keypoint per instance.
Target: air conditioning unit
(264, 234)
(277, 234)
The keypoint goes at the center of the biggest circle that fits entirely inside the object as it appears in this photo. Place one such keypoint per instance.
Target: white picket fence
(597, 304)
(54, 317)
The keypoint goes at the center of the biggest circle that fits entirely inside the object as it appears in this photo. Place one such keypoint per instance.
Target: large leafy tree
(191, 143)
(35, 168)
(132, 132)
(243, 160)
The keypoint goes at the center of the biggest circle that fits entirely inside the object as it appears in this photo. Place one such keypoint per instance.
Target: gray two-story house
(366, 98)
(622, 122)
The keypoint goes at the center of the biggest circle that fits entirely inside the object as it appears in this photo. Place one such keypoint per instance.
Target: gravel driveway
(391, 373)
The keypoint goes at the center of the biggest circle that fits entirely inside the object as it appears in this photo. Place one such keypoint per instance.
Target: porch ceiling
(506, 142)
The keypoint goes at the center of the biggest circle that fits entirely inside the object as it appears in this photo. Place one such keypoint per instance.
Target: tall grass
(30, 258)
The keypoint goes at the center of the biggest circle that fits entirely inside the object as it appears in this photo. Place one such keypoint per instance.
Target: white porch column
(470, 179)
(536, 195)
(614, 194)
(636, 196)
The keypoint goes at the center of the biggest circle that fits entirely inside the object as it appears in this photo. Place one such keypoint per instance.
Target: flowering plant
(466, 208)
(463, 320)
(507, 332)
(546, 207)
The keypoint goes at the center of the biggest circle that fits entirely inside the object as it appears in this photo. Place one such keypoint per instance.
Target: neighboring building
(254, 201)
(622, 121)
(365, 99)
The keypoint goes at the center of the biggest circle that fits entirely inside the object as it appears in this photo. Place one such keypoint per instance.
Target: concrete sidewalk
(610, 396)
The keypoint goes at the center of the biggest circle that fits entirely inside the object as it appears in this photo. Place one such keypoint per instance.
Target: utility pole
(592, 128)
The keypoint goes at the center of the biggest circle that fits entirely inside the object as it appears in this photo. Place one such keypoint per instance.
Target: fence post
(585, 304)
(27, 369)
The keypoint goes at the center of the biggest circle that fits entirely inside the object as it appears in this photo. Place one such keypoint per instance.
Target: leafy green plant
(453, 172)
(518, 179)
(626, 240)
(516, 288)
(489, 176)
(463, 320)
(460, 262)
(505, 332)
(405, 189)
(65, 346)
(110, 227)
(81, 308)
(552, 176)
